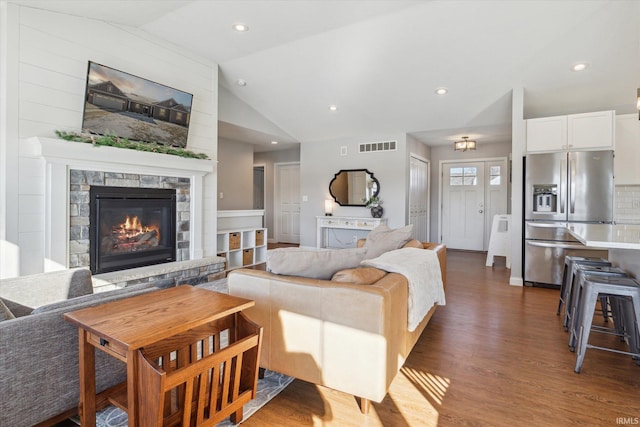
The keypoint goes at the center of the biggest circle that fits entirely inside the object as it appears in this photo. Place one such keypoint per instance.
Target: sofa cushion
(87, 299)
(312, 263)
(25, 293)
(384, 239)
(5, 313)
(359, 276)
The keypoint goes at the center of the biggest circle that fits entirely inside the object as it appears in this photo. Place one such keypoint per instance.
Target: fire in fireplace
(131, 227)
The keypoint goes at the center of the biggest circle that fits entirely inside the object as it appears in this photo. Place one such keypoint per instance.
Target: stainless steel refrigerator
(561, 188)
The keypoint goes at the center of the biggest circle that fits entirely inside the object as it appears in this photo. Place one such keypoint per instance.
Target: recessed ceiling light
(441, 91)
(580, 66)
(240, 27)
(241, 82)
(274, 142)
(333, 107)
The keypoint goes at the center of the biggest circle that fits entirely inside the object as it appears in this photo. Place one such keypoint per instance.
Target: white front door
(463, 205)
(419, 198)
(495, 194)
(287, 216)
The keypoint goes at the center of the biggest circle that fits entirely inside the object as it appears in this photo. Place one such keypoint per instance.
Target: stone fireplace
(72, 169)
(115, 192)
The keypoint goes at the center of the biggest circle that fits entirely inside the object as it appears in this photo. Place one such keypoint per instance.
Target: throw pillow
(5, 313)
(384, 239)
(359, 276)
(413, 243)
(311, 263)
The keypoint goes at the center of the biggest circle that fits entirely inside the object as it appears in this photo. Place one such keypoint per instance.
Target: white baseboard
(516, 281)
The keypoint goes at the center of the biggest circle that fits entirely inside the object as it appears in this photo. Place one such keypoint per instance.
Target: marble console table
(324, 223)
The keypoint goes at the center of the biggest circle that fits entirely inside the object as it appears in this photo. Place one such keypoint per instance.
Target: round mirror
(353, 187)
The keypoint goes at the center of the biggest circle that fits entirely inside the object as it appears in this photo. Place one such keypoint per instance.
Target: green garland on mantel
(116, 141)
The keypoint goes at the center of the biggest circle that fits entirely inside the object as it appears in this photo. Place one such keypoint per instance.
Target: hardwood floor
(495, 355)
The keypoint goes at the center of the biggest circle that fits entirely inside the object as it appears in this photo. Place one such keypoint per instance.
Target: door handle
(480, 211)
(563, 175)
(572, 185)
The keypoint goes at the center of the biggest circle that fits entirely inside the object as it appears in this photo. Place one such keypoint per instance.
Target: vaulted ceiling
(380, 61)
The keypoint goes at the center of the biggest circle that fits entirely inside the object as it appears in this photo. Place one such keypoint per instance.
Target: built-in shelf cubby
(242, 247)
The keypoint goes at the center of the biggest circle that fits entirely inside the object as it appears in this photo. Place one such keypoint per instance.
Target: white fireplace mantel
(61, 156)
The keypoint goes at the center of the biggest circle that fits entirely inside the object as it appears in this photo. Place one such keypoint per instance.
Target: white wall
(269, 159)
(237, 112)
(518, 141)
(44, 64)
(235, 175)
(320, 161)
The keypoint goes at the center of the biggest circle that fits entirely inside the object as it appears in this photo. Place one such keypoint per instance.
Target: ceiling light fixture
(441, 91)
(240, 27)
(580, 66)
(333, 108)
(274, 142)
(241, 82)
(464, 145)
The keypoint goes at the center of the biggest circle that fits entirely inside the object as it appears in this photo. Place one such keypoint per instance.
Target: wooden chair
(194, 379)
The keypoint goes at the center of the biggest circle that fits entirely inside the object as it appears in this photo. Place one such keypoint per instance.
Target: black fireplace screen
(131, 227)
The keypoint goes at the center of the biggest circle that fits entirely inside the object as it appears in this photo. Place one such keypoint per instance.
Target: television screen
(121, 104)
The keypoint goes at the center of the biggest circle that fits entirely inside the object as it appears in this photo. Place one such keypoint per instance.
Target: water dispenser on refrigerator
(545, 198)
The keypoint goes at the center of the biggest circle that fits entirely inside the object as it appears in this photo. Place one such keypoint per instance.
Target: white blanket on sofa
(422, 269)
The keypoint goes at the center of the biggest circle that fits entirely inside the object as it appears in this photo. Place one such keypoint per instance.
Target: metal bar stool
(567, 275)
(576, 297)
(568, 279)
(572, 269)
(627, 291)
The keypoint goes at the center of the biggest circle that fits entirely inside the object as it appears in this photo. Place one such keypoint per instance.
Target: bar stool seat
(568, 275)
(627, 290)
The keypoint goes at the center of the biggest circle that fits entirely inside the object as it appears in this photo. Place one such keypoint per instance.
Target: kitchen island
(611, 236)
(622, 240)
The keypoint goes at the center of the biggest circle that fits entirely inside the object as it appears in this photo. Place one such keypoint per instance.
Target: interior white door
(288, 203)
(419, 198)
(463, 208)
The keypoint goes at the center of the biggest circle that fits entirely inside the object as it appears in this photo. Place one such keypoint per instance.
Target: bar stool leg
(563, 289)
(634, 319)
(584, 327)
(605, 308)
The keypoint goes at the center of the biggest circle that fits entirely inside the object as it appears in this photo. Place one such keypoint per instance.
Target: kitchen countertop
(612, 236)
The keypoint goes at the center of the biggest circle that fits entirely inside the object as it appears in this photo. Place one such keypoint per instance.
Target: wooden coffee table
(121, 327)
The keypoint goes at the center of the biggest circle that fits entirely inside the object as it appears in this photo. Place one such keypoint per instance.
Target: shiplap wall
(53, 51)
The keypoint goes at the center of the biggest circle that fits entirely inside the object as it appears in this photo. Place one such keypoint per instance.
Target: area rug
(268, 387)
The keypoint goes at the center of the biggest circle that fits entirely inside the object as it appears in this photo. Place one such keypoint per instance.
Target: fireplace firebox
(131, 227)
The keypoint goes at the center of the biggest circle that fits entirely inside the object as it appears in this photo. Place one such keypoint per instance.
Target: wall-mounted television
(121, 104)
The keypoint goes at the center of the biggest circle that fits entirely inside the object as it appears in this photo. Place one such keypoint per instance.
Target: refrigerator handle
(563, 175)
(563, 245)
(572, 185)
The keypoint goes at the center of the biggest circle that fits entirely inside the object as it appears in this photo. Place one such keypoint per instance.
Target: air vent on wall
(371, 147)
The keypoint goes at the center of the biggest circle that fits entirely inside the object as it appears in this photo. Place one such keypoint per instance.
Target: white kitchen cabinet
(591, 130)
(627, 154)
(547, 133)
(571, 132)
(242, 247)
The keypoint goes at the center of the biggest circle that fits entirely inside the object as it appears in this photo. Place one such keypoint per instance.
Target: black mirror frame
(335, 177)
